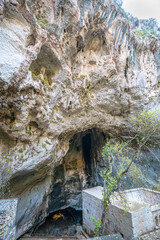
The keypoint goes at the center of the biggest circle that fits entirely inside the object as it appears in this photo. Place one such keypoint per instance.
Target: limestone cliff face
(68, 70)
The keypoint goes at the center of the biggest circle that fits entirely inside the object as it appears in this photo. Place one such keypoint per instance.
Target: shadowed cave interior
(79, 170)
(66, 222)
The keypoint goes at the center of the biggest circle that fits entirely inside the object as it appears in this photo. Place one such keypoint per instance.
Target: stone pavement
(155, 235)
(108, 237)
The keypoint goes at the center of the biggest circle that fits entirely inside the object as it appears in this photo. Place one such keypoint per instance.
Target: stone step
(27, 237)
(47, 238)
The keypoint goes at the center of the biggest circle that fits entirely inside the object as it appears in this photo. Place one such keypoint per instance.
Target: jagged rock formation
(71, 72)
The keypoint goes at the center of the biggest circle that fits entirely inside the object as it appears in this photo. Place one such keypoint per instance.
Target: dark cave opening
(65, 222)
(79, 170)
(86, 148)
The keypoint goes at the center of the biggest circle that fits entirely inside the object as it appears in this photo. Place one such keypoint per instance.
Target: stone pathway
(48, 238)
(155, 235)
(108, 237)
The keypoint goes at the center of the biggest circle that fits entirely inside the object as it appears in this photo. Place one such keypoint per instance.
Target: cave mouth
(86, 151)
(79, 170)
(66, 222)
(92, 142)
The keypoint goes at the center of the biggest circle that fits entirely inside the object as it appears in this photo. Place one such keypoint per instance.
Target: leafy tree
(123, 155)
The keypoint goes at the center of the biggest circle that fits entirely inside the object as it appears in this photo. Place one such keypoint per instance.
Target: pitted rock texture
(8, 209)
(66, 67)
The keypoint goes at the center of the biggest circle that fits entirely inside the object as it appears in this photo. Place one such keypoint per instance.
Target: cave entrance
(62, 223)
(86, 151)
(79, 170)
(92, 142)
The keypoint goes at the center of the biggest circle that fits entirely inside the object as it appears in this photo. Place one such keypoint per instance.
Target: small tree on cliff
(123, 155)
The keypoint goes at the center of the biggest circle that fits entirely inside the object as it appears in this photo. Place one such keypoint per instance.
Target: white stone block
(141, 216)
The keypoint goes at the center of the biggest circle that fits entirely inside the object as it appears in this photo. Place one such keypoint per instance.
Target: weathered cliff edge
(71, 72)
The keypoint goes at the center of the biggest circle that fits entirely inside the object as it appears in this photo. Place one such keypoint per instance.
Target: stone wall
(92, 208)
(8, 209)
(139, 216)
(143, 195)
(156, 215)
(151, 197)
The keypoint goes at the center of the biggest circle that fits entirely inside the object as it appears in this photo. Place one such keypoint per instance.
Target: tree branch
(153, 153)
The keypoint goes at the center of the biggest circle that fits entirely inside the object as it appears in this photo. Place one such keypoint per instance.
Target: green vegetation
(21, 150)
(75, 75)
(44, 145)
(69, 106)
(28, 130)
(53, 153)
(34, 75)
(86, 90)
(44, 79)
(122, 156)
(144, 33)
(53, 72)
(98, 224)
(63, 134)
(42, 20)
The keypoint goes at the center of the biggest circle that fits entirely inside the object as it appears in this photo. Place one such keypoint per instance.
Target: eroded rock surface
(67, 69)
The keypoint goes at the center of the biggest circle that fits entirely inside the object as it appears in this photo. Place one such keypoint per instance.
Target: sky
(143, 8)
